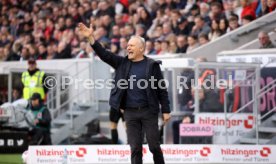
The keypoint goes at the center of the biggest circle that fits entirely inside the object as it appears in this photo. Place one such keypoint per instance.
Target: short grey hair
(263, 33)
(142, 40)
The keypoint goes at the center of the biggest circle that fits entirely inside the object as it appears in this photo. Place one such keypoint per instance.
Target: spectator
(181, 43)
(63, 51)
(217, 11)
(16, 94)
(115, 32)
(80, 52)
(25, 54)
(204, 12)
(264, 40)
(233, 23)
(215, 31)
(123, 46)
(172, 47)
(149, 48)
(164, 47)
(140, 30)
(14, 55)
(194, 11)
(30, 24)
(129, 30)
(167, 31)
(248, 9)
(271, 4)
(262, 8)
(144, 17)
(200, 27)
(183, 27)
(51, 51)
(192, 43)
(105, 9)
(203, 39)
(223, 25)
(247, 19)
(33, 51)
(157, 46)
(119, 21)
(42, 52)
(175, 15)
(107, 24)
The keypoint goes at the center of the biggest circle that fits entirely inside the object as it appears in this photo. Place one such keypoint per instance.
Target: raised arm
(105, 55)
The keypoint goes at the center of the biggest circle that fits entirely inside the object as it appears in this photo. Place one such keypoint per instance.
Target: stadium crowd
(46, 29)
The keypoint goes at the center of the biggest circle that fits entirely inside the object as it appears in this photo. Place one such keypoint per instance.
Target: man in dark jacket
(41, 123)
(141, 106)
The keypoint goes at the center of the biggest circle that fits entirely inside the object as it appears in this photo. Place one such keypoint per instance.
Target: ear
(142, 49)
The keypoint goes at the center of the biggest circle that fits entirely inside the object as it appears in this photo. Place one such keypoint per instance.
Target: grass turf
(10, 159)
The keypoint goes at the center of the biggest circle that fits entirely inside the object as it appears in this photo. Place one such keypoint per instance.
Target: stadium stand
(175, 31)
(46, 29)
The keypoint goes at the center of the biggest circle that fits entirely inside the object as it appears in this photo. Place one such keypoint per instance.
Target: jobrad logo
(265, 152)
(205, 151)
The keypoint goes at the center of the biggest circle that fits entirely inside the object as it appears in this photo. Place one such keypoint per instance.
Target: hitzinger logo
(79, 153)
(265, 152)
(204, 152)
(248, 123)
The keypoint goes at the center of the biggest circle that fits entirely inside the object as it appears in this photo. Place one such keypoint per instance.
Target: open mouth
(130, 53)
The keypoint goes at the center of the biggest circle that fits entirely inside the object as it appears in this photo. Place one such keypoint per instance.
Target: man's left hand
(36, 121)
(166, 117)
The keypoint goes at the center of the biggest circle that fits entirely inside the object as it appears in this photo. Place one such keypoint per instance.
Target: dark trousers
(137, 122)
(40, 137)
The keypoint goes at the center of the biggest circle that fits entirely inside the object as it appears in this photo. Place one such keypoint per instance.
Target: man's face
(123, 43)
(157, 46)
(181, 41)
(263, 39)
(41, 49)
(35, 102)
(149, 45)
(215, 10)
(32, 66)
(233, 24)
(186, 120)
(135, 49)
(198, 22)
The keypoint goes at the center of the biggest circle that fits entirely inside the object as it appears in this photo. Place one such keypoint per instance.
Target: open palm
(85, 31)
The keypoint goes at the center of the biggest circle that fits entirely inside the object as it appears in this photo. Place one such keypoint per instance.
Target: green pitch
(10, 159)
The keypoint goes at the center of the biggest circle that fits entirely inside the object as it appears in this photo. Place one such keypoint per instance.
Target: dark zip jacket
(156, 97)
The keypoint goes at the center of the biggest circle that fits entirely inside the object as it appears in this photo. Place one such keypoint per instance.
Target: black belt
(138, 108)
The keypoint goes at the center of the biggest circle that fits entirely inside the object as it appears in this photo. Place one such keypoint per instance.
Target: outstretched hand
(86, 32)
